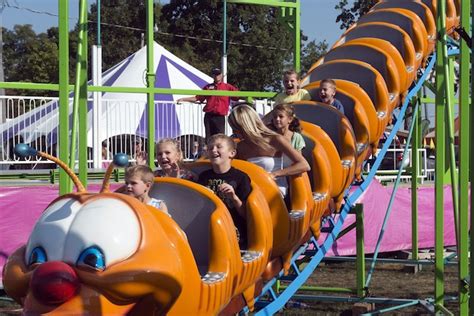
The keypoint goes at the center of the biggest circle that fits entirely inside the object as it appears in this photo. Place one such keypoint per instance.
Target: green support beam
(150, 76)
(415, 170)
(82, 65)
(451, 170)
(55, 87)
(65, 183)
(360, 260)
(464, 151)
(440, 153)
(471, 164)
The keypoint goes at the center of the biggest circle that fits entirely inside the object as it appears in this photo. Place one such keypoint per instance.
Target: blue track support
(335, 227)
(392, 197)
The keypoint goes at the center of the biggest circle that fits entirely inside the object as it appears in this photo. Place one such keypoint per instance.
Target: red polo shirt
(217, 104)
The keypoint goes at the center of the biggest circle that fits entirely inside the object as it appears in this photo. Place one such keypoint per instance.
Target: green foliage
(350, 15)
(123, 24)
(259, 45)
(310, 53)
(259, 42)
(30, 57)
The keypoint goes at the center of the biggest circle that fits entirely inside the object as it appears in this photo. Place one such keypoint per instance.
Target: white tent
(122, 113)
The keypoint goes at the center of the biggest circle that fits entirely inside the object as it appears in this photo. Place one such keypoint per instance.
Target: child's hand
(174, 166)
(274, 175)
(227, 190)
(141, 158)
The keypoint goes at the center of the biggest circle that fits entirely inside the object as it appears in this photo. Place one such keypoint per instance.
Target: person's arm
(232, 88)
(299, 164)
(267, 119)
(141, 158)
(188, 99)
(229, 192)
(164, 208)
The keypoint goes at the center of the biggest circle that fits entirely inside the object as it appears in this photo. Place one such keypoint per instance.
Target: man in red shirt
(217, 107)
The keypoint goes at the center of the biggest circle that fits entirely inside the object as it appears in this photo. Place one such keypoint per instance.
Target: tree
(259, 45)
(30, 57)
(310, 53)
(123, 23)
(350, 15)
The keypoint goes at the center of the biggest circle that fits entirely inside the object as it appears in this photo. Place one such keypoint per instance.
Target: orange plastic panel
(336, 127)
(452, 19)
(361, 73)
(376, 122)
(414, 28)
(321, 179)
(365, 132)
(374, 56)
(383, 31)
(420, 10)
(286, 231)
(340, 177)
(289, 226)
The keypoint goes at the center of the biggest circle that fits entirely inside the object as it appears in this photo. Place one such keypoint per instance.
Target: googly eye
(37, 256)
(92, 257)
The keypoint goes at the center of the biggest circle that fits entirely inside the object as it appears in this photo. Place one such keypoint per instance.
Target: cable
(143, 30)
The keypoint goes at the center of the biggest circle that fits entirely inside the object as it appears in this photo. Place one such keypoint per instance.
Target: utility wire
(143, 30)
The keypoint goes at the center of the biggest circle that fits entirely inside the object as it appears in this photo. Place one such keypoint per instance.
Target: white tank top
(271, 164)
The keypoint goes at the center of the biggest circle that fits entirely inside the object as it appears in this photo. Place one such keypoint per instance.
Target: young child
(138, 182)
(170, 158)
(286, 123)
(232, 186)
(292, 90)
(327, 93)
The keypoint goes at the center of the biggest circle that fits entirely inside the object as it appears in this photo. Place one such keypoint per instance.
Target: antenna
(24, 150)
(120, 160)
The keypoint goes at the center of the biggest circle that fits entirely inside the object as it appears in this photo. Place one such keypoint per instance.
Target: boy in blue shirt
(327, 93)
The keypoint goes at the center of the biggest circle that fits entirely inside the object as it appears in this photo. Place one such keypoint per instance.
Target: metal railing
(122, 128)
(389, 170)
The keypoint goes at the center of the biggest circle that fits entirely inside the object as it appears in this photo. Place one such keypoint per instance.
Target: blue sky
(317, 16)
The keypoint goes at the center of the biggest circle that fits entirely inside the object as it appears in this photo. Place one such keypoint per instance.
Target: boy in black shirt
(232, 186)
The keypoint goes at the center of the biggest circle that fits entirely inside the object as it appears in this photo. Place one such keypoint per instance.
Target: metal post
(150, 75)
(297, 49)
(98, 24)
(83, 109)
(471, 172)
(224, 43)
(464, 112)
(77, 86)
(97, 96)
(451, 168)
(65, 183)
(414, 181)
(440, 154)
(359, 212)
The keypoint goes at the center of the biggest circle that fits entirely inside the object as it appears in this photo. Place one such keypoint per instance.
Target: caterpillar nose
(54, 283)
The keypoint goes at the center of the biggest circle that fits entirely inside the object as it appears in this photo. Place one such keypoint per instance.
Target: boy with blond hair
(138, 182)
(232, 186)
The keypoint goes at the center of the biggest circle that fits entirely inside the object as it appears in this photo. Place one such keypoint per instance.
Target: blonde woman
(265, 147)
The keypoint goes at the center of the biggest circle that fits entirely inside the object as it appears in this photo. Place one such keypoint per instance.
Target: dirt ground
(388, 280)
